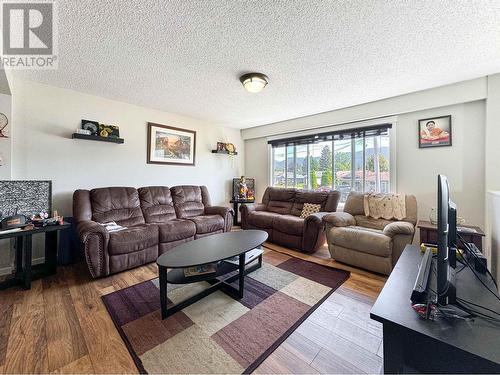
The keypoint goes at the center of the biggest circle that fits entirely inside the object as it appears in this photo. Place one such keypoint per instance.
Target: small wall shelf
(97, 138)
(224, 152)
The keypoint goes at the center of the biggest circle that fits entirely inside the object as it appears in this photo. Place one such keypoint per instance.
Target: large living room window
(355, 159)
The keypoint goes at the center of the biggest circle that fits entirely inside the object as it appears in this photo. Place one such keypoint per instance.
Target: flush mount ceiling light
(254, 82)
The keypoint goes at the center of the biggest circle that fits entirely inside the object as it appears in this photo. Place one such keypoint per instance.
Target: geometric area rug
(219, 334)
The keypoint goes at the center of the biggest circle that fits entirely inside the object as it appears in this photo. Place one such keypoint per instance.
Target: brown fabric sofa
(279, 215)
(372, 244)
(157, 219)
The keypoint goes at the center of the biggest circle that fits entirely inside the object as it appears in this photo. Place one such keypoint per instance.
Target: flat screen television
(447, 240)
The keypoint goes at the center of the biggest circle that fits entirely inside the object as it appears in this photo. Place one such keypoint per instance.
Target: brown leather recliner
(193, 203)
(279, 215)
(156, 218)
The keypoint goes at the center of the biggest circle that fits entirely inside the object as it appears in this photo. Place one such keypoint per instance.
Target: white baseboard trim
(6, 270)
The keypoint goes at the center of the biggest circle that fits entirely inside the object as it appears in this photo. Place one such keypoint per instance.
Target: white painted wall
(257, 164)
(492, 174)
(6, 143)
(417, 169)
(46, 116)
(493, 230)
(457, 93)
(5, 162)
(492, 133)
(462, 163)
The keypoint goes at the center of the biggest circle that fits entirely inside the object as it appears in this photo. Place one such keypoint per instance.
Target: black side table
(25, 272)
(236, 203)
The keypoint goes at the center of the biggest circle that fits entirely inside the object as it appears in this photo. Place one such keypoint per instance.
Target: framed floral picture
(169, 145)
(434, 132)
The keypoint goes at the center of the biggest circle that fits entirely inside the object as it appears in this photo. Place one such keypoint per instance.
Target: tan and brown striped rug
(219, 334)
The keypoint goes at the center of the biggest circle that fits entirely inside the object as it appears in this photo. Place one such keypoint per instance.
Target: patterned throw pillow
(309, 209)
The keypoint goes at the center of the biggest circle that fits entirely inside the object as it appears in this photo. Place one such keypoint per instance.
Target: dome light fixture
(254, 82)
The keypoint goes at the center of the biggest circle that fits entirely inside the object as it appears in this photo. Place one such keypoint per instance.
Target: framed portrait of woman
(434, 132)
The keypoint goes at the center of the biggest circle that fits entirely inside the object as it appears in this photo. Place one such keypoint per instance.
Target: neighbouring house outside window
(350, 160)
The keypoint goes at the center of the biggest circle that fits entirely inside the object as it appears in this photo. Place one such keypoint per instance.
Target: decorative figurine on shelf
(111, 131)
(221, 146)
(230, 148)
(43, 219)
(243, 189)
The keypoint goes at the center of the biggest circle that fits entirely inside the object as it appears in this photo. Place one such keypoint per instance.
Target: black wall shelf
(97, 138)
(224, 152)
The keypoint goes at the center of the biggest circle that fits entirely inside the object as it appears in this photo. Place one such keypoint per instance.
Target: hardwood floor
(339, 337)
(62, 326)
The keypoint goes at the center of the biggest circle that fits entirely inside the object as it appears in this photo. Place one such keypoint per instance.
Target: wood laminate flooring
(62, 326)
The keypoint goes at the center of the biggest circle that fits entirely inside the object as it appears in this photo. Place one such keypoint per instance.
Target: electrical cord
(475, 304)
(479, 314)
(470, 251)
(477, 276)
(481, 281)
(462, 303)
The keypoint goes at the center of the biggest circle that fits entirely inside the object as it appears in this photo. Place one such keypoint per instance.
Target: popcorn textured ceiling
(185, 56)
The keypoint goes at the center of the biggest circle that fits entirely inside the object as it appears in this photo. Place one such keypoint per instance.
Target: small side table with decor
(25, 272)
(236, 203)
(428, 233)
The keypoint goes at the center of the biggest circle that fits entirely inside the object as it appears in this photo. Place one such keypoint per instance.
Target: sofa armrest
(95, 240)
(226, 212)
(246, 209)
(314, 232)
(86, 228)
(316, 218)
(399, 227)
(218, 210)
(339, 219)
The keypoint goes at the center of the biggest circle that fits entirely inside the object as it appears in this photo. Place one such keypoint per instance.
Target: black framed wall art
(434, 132)
(170, 145)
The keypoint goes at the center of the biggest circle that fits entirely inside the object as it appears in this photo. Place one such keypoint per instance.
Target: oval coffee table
(218, 249)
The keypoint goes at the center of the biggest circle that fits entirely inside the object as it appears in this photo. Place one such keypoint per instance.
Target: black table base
(236, 203)
(217, 283)
(24, 271)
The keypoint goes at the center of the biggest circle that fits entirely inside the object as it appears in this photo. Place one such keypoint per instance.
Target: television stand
(412, 344)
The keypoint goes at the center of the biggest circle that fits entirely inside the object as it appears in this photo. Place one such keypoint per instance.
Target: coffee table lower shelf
(217, 281)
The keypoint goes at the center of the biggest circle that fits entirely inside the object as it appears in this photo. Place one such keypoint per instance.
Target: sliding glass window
(356, 161)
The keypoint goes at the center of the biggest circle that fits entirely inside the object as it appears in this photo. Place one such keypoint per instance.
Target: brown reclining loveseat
(157, 219)
(279, 215)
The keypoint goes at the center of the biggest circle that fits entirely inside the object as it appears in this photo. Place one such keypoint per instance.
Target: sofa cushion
(279, 200)
(119, 204)
(262, 219)
(156, 204)
(313, 197)
(370, 222)
(355, 203)
(176, 229)
(189, 201)
(289, 224)
(133, 239)
(370, 241)
(208, 223)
